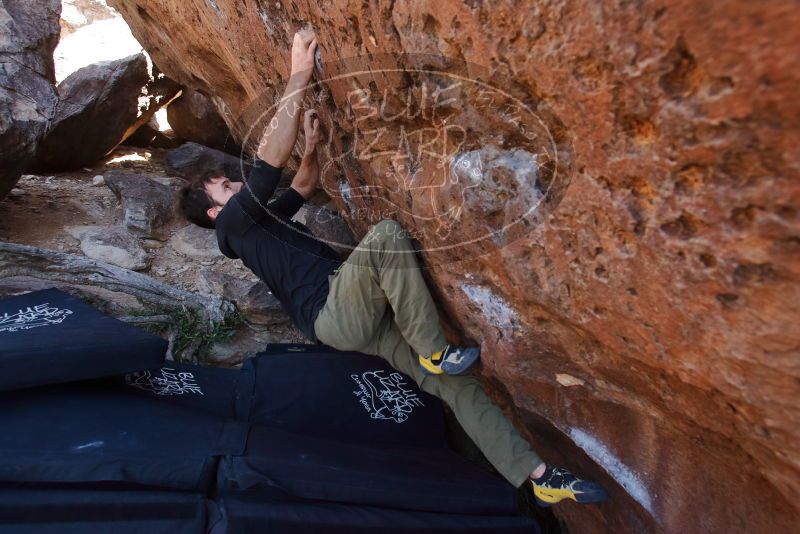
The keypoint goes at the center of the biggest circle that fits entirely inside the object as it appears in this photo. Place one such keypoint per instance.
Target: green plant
(193, 336)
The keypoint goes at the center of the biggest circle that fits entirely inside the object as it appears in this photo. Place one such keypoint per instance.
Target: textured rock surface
(157, 92)
(642, 326)
(146, 204)
(195, 242)
(96, 106)
(111, 245)
(251, 296)
(28, 36)
(148, 135)
(191, 160)
(93, 32)
(194, 117)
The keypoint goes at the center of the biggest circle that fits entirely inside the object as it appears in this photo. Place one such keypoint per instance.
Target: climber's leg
(484, 422)
(378, 300)
(383, 270)
(373, 277)
(381, 276)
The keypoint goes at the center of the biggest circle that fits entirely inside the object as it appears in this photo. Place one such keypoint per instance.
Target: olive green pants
(379, 304)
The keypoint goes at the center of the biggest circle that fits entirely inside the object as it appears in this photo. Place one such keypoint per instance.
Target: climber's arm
(281, 132)
(259, 187)
(306, 181)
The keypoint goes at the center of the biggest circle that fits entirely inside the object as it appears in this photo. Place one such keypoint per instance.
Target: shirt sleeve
(287, 203)
(258, 189)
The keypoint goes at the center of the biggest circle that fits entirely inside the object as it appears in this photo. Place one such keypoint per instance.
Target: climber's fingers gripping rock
(311, 129)
(303, 48)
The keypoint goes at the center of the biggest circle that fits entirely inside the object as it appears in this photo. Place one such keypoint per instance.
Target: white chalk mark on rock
(614, 467)
(569, 380)
(495, 308)
(347, 196)
(213, 4)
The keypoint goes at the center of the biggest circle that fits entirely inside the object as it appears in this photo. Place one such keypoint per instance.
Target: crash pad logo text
(386, 395)
(164, 382)
(33, 316)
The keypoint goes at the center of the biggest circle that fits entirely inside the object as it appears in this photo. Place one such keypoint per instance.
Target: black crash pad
(48, 337)
(90, 432)
(70, 510)
(312, 390)
(281, 464)
(321, 431)
(349, 397)
(248, 514)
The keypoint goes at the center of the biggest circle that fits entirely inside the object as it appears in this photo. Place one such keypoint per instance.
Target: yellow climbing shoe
(558, 484)
(450, 360)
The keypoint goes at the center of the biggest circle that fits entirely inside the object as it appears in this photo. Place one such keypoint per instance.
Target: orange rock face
(607, 198)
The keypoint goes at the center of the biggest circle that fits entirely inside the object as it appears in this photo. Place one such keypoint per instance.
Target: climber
(376, 302)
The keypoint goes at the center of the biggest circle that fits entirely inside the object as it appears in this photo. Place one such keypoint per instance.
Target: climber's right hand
(311, 128)
(303, 48)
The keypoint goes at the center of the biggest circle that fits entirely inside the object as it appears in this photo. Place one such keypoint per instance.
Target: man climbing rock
(376, 302)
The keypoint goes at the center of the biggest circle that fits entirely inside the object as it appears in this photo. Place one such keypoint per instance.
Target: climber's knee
(388, 228)
(395, 237)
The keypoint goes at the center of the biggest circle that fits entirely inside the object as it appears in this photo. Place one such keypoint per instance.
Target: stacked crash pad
(48, 336)
(109, 437)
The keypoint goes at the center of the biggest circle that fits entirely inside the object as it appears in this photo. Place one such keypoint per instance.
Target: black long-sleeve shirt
(283, 253)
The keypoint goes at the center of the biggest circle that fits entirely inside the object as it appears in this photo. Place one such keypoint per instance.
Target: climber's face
(221, 189)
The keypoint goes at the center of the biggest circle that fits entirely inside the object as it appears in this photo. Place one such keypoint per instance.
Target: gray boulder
(192, 160)
(27, 82)
(195, 242)
(156, 93)
(251, 296)
(146, 204)
(97, 106)
(193, 117)
(148, 135)
(111, 245)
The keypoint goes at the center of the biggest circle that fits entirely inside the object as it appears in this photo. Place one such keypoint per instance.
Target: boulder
(27, 82)
(97, 104)
(149, 135)
(195, 242)
(111, 245)
(76, 14)
(193, 117)
(251, 296)
(657, 265)
(192, 160)
(147, 205)
(91, 32)
(156, 93)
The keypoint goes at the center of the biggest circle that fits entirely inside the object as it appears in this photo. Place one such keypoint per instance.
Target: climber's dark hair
(194, 202)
